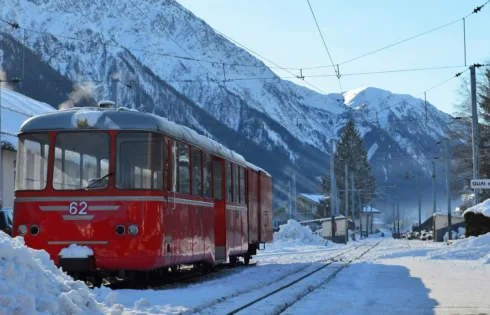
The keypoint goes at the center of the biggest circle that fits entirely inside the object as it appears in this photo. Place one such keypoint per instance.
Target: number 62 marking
(78, 208)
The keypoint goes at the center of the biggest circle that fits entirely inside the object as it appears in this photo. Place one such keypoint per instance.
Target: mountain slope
(148, 47)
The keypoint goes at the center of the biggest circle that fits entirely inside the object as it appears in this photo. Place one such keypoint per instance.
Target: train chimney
(106, 104)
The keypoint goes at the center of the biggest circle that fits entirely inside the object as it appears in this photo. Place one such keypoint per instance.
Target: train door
(219, 209)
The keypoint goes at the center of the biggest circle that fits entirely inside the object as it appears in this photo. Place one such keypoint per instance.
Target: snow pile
(483, 208)
(76, 251)
(294, 231)
(472, 248)
(30, 283)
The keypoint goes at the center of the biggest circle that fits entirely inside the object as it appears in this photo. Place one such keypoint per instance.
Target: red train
(145, 194)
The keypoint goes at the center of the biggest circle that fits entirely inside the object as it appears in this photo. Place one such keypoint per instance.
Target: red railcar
(142, 192)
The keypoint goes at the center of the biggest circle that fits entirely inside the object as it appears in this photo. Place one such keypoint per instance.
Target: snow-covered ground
(307, 274)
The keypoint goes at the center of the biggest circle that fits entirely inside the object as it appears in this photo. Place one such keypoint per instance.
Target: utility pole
(360, 212)
(420, 204)
(115, 81)
(394, 219)
(293, 201)
(433, 187)
(332, 189)
(398, 215)
(352, 202)
(290, 206)
(346, 180)
(1, 153)
(448, 187)
(475, 130)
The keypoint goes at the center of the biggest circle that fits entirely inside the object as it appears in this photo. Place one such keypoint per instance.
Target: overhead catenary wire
(325, 45)
(475, 11)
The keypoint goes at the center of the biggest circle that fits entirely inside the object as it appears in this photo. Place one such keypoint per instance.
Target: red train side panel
(253, 207)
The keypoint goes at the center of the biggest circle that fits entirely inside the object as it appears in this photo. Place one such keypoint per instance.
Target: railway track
(209, 307)
(300, 294)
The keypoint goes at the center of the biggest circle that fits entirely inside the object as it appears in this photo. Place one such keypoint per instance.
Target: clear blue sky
(285, 32)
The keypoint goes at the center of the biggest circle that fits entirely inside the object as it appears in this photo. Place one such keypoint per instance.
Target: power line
(325, 45)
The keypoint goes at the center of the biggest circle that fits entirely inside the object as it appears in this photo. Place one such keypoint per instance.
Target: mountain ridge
(276, 115)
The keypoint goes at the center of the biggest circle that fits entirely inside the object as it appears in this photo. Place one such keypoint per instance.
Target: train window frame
(243, 185)
(180, 184)
(229, 182)
(160, 137)
(102, 186)
(198, 172)
(219, 187)
(45, 164)
(207, 178)
(236, 184)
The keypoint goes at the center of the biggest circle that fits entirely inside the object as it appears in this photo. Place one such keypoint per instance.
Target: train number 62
(78, 208)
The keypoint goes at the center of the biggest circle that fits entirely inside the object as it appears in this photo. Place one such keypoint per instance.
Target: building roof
(370, 210)
(316, 198)
(82, 118)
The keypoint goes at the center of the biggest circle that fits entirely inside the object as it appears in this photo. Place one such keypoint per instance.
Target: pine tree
(484, 131)
(350, 148)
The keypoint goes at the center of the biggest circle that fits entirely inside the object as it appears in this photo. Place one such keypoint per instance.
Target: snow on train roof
(128, 119)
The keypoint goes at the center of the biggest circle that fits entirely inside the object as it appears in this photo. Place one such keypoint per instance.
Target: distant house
(16, 108)
(368, 220)
(308, 206)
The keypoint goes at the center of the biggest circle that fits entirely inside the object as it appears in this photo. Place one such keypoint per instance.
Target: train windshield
(32, 161)
(81, 159)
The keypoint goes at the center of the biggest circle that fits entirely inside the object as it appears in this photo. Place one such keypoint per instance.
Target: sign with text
(480, 183)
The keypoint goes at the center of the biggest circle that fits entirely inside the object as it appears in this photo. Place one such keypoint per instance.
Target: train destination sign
(480, 183)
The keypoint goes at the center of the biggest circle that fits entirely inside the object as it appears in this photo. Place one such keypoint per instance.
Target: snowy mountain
(227, 94)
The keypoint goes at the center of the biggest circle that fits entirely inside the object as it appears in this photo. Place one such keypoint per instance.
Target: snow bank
(294, 231)
(30, 283)
(483, 208)
(76, 251)
(472, 248)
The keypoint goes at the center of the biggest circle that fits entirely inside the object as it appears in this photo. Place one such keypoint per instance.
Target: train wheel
(174, 268)
(207, 268)
(246, 259)
(233, 260)
(96, 281)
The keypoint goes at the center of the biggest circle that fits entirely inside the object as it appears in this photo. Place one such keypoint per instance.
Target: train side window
(139, 156)
(235, 183)
(207, 175)
(218, 181)
(243, 173)
(184, 178)
(175, 166)
(196, 172)
(166, 161)
(229, 186)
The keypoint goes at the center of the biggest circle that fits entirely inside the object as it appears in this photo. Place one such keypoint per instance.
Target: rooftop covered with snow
(16, 109)
(370, 210)
(316, 198)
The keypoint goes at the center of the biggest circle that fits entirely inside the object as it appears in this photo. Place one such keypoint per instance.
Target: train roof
(128, 119)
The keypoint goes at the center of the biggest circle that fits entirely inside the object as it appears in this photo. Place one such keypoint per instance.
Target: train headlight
(34, 230)
(22, 229)
(133, 229)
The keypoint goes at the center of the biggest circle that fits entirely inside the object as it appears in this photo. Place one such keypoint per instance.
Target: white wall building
(15, 109)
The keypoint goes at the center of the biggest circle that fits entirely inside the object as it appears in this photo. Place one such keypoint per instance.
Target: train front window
(80, 160)
(32, 158)
(139, 160)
